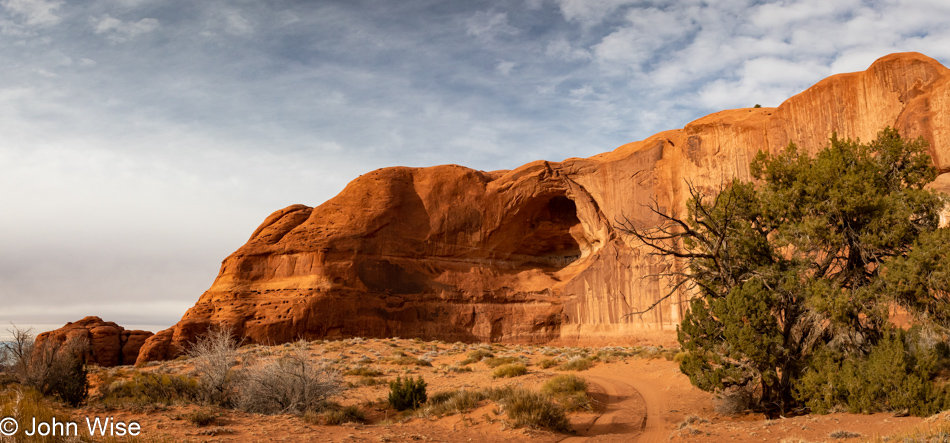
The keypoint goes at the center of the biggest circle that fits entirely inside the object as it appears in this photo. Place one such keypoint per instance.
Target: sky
(142, 141)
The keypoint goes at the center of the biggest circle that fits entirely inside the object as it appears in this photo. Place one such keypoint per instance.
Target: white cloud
(488, 25)
(35, 12)
(591, 12)
(237, 24)
(505, 67)
(646, 31)
(563, 50)
(119, 31)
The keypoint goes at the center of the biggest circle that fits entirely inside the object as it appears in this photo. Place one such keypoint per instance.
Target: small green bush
(405, 361)
(407, 393)
(509, 370)
(453, 402)
(147, 388)
(364, 371)
(476, 356)
(564, 384)
(349, 414)
(535, 410)
(546, 363)
(570, 391)
(577, 364)
(494, 362)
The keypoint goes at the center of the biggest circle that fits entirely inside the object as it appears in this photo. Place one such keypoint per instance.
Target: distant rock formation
(109, 343)
(531, 255)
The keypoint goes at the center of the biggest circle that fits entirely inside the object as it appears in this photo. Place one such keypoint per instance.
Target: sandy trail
(629, 409)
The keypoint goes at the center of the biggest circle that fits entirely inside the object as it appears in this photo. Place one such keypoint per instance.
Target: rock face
(109, 343)
(533, 254)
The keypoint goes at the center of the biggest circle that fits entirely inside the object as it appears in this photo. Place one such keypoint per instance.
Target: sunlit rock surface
(532, 255)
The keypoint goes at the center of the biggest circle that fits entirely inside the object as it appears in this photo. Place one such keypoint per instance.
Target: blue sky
(142, 141)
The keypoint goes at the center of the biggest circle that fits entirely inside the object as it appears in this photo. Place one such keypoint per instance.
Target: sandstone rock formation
(109, 343)
(533, 254)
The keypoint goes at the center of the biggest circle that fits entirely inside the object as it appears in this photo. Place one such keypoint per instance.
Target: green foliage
(407, 393)
(564, 384)
(895, 376)
(533, 409)
(509, 370)
(364, 371)
(24, 405)
(494, 362)
(454, 402)
(796, 273)
(577, 363)
(570, 391)
(405, 361)
(148, 388)
(546, 363)
(349, 414)
(476, 356)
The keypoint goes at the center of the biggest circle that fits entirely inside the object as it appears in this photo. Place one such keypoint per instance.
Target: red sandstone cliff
(533, 254)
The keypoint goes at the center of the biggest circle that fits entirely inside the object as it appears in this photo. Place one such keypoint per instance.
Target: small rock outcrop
(535, 254)
(109, 344)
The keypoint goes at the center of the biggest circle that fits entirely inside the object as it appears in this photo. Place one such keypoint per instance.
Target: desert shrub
(460, 369)
(289, 384)
(26, 404)
(368, 381)
(509, 370)
(844, 434)
(7, 378)
(52, 368)
(494, 362)
(407, 393)
(213, 356)
(56, 369)
(364, 371)
(546, 363)
(476, 356)
(405, 361)
(564, 384)
(453, 402)
(349, 414)
(146, 388)
(497, 393)
(570, 391)
(577, 363)
(533, 409)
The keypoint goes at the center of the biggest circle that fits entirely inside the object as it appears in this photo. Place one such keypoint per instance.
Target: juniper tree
(798, 270)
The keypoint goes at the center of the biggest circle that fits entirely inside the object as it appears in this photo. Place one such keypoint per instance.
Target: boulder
(109, 344)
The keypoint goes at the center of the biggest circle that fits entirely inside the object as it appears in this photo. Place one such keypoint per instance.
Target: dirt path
(630, 409)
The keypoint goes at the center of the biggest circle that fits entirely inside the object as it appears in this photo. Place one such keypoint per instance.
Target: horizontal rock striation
(532, 255)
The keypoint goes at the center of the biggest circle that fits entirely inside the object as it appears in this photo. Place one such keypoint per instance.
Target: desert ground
(635, 393)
